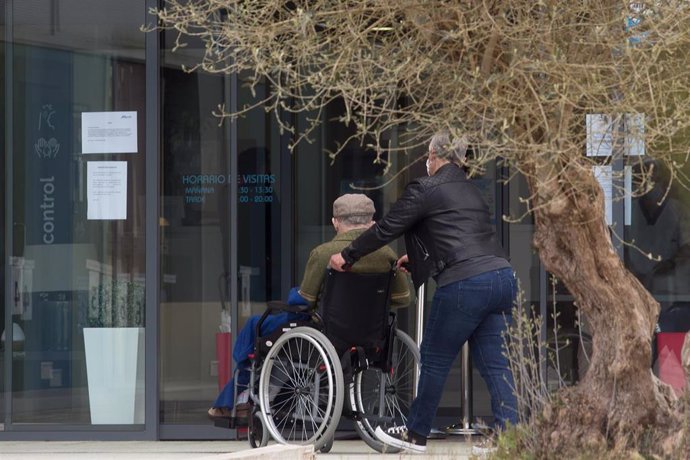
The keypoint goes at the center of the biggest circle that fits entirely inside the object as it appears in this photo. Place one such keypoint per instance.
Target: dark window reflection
(660, 233)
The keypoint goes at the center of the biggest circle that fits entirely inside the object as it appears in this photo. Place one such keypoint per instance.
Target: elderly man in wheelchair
(308, 366)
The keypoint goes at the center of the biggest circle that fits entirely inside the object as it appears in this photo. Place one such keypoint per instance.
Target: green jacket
(378, 261)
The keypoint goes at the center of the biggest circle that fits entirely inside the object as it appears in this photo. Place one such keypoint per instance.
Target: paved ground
(454, 448)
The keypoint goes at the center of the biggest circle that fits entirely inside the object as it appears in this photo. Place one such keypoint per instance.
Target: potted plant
(116, 303)
(114, 347)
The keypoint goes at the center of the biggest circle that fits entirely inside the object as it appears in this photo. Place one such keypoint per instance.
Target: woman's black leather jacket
(444, 219)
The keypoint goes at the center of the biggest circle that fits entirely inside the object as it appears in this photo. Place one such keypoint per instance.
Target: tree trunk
(619, 397)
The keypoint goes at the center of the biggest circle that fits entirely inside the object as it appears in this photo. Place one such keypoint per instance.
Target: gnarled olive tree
(519, 77)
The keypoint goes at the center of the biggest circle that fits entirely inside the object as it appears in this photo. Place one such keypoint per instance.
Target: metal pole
(465, 425)
(152, 224)
(6, 419)
(466, 387)
(421, 294)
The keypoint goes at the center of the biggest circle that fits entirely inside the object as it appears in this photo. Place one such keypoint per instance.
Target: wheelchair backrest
(354, 308)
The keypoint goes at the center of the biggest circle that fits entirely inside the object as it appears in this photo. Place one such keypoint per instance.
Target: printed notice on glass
(601, 129)
(627, 198)
(599, 135)
(604, 176)
(634, 134)
(106, 190)
(109, 132)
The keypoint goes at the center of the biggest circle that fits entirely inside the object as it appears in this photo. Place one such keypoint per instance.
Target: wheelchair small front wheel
(257, 434)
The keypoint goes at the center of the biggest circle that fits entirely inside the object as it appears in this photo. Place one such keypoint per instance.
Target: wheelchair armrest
(279, 305)
(275, 306)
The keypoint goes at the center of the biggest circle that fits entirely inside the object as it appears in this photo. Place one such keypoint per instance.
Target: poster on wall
(106, 190)
(109, 132)
(49, 173)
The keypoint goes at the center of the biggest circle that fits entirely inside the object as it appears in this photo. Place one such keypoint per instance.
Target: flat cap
(353, 204)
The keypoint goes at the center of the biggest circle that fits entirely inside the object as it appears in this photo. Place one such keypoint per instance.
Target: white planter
(115, 373)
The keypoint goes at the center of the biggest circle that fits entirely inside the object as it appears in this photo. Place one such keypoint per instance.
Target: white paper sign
(603, 175)
(599, 135)
(109, 132)
(634, 134)
(106, 190)
(627, 187)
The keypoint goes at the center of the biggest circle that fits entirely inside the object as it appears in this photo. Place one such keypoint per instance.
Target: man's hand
(337, 263)
(402, 263)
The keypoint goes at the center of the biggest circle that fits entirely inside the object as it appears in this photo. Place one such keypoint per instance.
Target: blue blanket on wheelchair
(244, 345)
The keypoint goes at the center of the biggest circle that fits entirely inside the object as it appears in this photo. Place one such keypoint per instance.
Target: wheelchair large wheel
(384, 398)
(301, 388)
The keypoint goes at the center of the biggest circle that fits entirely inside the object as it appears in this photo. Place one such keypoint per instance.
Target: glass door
(195, 235)
(221, 260)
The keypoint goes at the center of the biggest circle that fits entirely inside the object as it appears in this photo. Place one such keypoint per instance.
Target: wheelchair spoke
(404, 380)
(304, 367)
(309, 417)
(402, 405)
(295, 374)
(395, 410)
(287, 415)
(299, 371)
(292, 429)
(278, 408)
(312, 419)
(281, 368)
(307, 371)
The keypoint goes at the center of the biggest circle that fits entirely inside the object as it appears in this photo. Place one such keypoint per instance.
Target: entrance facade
(132, 217)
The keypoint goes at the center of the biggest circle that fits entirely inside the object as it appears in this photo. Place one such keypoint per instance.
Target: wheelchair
(349, 359)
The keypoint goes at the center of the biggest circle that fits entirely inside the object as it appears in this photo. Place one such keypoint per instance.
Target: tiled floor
(199, 450)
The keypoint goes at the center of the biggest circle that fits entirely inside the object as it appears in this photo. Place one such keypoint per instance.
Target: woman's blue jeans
(477, 309)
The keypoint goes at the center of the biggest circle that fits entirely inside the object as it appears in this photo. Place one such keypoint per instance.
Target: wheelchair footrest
(375, 418)
(230, 422)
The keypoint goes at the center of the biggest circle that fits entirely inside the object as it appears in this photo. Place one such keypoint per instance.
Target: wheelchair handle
(269, 309)
(259, 323)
